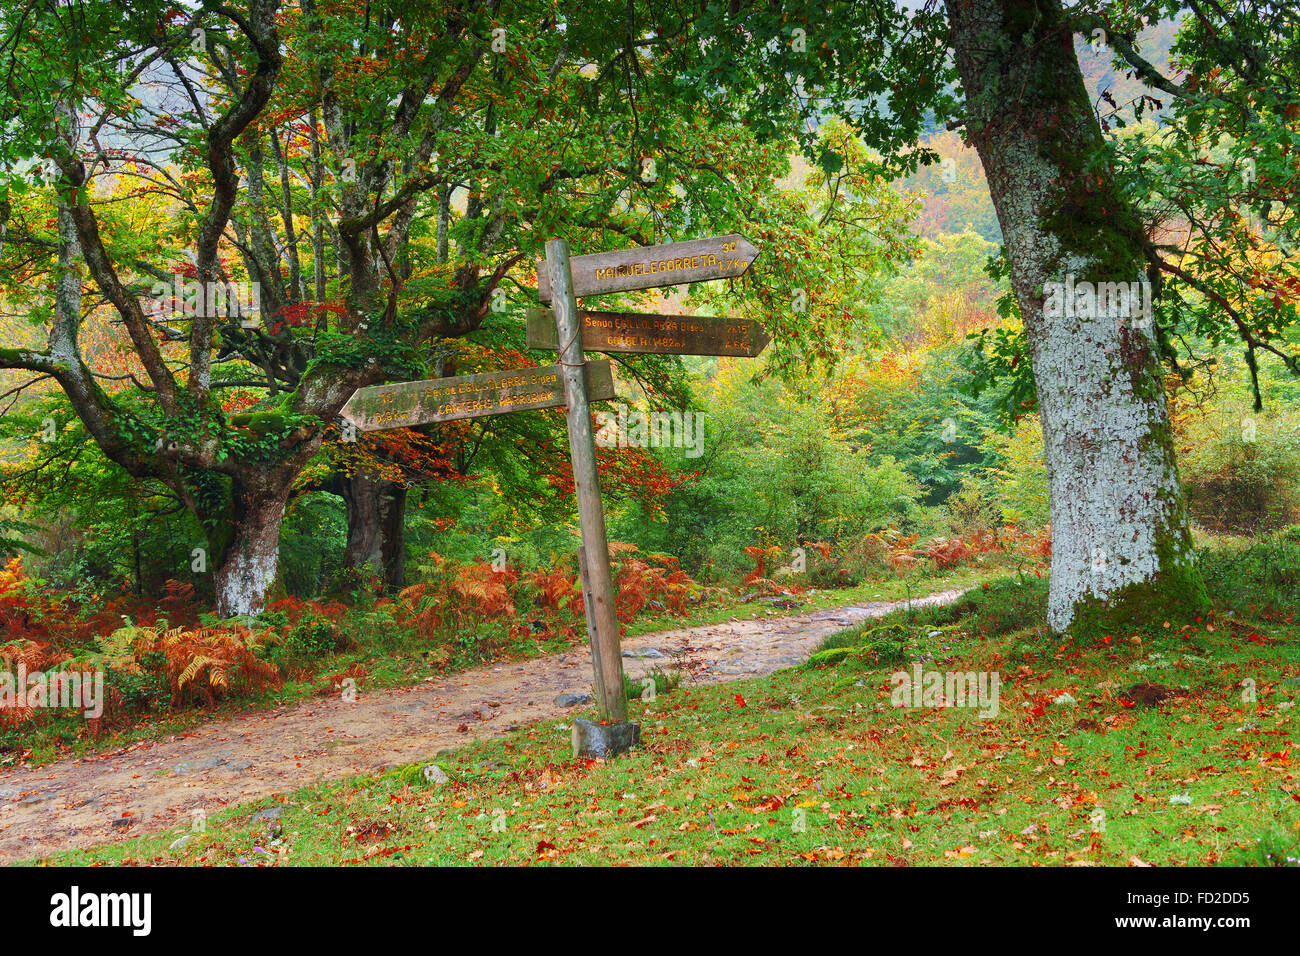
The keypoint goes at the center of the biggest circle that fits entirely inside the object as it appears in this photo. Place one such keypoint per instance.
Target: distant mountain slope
(955, 196)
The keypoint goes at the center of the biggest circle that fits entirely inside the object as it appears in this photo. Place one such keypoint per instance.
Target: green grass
(665, 680)
(815, 766)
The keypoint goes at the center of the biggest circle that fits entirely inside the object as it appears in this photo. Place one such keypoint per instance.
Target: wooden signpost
(574, 383)
(654, 333)
(597, 579)
(560, 282)
(468, 396)
(648, 267)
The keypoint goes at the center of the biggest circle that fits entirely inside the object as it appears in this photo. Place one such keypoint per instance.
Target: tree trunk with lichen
(1121, 549)
(247, 547)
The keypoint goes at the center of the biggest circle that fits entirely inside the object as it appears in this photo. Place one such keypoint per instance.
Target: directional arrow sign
(721, 257)
(648, 332)
(468, 396)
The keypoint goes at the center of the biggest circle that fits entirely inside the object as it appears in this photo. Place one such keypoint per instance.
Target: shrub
(870, 644)
(301, 633)
(455, 598)
(1264, 576)
(1011, 604)
(973, 509)
(1241, 469)
(204, 663)
(856, 559)
(989, 610)
(638, 583)
(1019, 484)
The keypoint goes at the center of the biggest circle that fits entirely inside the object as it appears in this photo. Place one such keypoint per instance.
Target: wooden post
(593, 639)
(598, 591)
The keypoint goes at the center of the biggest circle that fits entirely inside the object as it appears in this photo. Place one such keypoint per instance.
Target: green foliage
(307, 642)
(1005, 606)
(141, 687)
(11, 525)
(1000, 607)
(927, 423)
(312, 543)
(1019, 480)
(998, 358)
(973, 509)
(1241, 469)
(1223, 157)
(811, 304)
(783, 473)
(872, 644)
(665, 681)
(89, 523)
(947, 267)
(1263, 577)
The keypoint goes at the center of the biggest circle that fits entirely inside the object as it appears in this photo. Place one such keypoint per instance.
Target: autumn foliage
(657, 579)
(543, 604)
(200, 665)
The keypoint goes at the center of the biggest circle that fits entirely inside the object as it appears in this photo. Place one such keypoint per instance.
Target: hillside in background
(954, 194)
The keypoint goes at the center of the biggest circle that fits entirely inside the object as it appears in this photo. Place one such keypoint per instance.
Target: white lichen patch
(1112, 481)
(249, 569)
(243, 586)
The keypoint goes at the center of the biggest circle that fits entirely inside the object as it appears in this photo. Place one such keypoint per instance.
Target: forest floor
(154, 786)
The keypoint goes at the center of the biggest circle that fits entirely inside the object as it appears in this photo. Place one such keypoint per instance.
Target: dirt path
(73, 803)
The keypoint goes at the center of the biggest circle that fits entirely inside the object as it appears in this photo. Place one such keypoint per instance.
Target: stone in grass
(1181, 798)
(435, 774)
(572, 700)
(1065, 700)
(604, 740)
(181, 841)
(270, 813)
(207, 763)
(644, 652)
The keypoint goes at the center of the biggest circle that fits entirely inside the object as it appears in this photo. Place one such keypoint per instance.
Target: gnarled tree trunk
(363, 495)
(247, 550)
(376, 512)
(1121, 550)
(394, 545)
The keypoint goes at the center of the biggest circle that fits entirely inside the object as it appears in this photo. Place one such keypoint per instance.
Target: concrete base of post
(604, 740)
